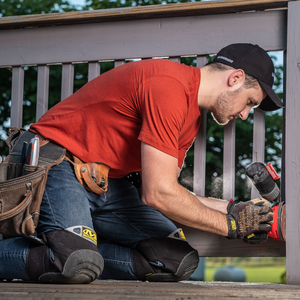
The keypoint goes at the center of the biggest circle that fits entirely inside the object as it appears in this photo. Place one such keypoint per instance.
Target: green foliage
(30, 7)
(103, 4)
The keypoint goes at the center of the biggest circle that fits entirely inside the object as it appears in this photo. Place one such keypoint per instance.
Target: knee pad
(164, 259)
(67, 257)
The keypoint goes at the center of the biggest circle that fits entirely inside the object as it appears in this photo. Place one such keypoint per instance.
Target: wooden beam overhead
(141, 12)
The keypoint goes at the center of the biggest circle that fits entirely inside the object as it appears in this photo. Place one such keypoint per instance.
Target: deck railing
(192, 29)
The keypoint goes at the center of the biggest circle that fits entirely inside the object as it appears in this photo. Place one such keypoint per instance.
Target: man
(140, 117)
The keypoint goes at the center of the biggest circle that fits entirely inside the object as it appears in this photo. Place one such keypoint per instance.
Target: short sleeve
(163, 111)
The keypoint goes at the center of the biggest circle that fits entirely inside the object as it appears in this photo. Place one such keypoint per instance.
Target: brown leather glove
(278, 232)
(245, 218)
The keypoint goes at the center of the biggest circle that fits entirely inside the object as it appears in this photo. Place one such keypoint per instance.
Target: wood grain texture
(42, 91)
(229, 161)
(292, 142)
(212, 245)
(17, 91)
(200, 146)
(140, 12)
(178, 36)
(258, 151)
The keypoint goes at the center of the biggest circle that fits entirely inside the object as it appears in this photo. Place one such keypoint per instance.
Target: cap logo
(273, 75)
(225, 58)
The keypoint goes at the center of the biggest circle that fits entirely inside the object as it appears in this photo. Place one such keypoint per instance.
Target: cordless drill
(263, 178)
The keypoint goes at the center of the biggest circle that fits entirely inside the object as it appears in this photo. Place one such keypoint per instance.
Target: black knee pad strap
(66, 258)
(164, 259)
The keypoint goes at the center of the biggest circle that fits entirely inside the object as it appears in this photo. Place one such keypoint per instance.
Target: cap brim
(272, 101)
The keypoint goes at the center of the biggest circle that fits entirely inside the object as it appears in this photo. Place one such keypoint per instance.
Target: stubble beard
(222, 110)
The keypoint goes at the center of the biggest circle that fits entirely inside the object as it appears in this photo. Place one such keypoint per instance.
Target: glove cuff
(232, 227)
(231, 204)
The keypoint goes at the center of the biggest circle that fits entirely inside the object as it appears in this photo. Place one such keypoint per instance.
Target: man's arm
(213, 203)
(216, 204)
(162, 191)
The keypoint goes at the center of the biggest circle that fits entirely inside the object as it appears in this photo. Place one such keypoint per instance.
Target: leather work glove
(278, 231)
(256, 238)
(253, 238)
(245, 218)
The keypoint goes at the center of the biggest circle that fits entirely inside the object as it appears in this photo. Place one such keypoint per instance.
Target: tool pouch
(22, 186)
(93, 176)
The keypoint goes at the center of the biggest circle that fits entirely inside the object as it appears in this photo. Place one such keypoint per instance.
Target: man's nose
(245, 112)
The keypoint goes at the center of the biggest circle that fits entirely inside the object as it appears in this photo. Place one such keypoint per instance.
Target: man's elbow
(161, 195)
(152, 199)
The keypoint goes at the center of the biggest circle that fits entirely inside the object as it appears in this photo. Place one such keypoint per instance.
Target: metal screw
(83, 170)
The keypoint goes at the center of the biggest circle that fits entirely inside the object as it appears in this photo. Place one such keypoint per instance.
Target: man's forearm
(185, 208)
(213, 203)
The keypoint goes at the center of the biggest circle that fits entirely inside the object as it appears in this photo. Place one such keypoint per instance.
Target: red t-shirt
(154, 101)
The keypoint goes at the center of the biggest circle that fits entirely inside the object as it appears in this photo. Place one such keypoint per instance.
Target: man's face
(236, 104)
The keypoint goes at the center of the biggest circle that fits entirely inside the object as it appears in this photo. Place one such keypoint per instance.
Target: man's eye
(252, 103)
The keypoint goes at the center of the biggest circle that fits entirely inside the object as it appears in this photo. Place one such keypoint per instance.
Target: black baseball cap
(256, 62)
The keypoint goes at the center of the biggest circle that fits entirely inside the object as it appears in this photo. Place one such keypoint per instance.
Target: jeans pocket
(107, 193)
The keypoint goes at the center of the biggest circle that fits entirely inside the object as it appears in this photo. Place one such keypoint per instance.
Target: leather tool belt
(22, 185)
(93, 176)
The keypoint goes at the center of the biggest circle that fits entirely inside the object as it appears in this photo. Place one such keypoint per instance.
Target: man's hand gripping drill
(246, 218)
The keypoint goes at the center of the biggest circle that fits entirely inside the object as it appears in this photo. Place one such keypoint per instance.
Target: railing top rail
(141, 12)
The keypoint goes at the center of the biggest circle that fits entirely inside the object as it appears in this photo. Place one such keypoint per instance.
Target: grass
(253, 273)
(261, 269)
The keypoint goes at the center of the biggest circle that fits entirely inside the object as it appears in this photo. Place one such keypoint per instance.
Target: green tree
(30, 7)
(103, 4)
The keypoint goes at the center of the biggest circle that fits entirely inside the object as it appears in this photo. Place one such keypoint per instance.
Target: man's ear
(236, 78)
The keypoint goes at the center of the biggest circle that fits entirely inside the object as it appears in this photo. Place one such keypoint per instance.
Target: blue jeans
(118, 217)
